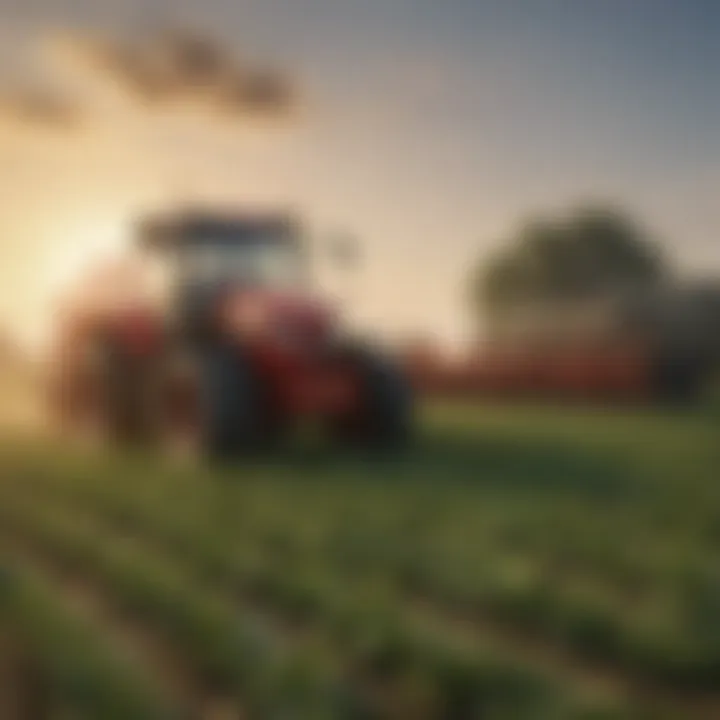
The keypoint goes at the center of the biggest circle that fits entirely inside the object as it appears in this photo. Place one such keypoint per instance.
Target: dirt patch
(23, 691)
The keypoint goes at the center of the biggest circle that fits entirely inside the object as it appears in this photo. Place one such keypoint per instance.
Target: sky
(429, 130)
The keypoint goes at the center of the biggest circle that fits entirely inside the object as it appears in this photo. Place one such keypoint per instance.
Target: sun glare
(81, 248)
(74, 249)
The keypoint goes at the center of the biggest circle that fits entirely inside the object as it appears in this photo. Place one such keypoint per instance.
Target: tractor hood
(287, 317)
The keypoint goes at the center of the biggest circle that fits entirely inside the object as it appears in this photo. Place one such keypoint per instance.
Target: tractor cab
(261, 251)
(209, 260)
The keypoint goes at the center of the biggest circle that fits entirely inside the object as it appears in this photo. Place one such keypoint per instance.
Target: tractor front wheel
(209, 406)
(383, 418)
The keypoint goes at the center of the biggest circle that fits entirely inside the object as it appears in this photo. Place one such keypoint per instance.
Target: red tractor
(229, 357)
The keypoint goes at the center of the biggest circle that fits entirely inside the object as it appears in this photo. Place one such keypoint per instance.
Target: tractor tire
(228, 404)
(679, 379)
(384, 419)
(226, 415)
(106, 407)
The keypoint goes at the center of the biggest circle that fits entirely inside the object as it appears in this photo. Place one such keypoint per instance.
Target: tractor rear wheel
(384, 418)
(105, 406)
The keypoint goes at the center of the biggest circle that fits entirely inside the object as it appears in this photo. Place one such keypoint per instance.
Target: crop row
(64, 664)
(231, 654)
(333, 572)
(387, 668)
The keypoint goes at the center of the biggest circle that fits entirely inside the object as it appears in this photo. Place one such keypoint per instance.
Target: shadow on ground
(515, 464)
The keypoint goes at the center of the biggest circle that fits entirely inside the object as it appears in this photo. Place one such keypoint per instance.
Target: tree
(593, 254)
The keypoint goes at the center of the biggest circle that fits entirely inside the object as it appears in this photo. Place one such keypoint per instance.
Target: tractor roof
(180, 229)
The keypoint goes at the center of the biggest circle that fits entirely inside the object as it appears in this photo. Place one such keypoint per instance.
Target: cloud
(183, 65)
(40, 108)
(153, 72)
(261, 93)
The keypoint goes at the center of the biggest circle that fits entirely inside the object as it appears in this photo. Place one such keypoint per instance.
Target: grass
(520, 562)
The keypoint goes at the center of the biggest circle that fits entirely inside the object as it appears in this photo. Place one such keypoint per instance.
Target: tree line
(595, 274)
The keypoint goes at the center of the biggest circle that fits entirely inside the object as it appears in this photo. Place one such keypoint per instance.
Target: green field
(518, 563)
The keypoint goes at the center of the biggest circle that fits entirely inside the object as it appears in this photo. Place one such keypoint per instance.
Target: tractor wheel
(679, 379)
(384, 418)
(209, 406)
(105, 406)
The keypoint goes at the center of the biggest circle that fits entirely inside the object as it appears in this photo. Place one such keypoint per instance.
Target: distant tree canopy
(591, 278)
(589, 254)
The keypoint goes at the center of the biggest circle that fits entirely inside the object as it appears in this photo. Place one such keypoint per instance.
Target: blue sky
(432, 128)
(520, 103)
(459, 118)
